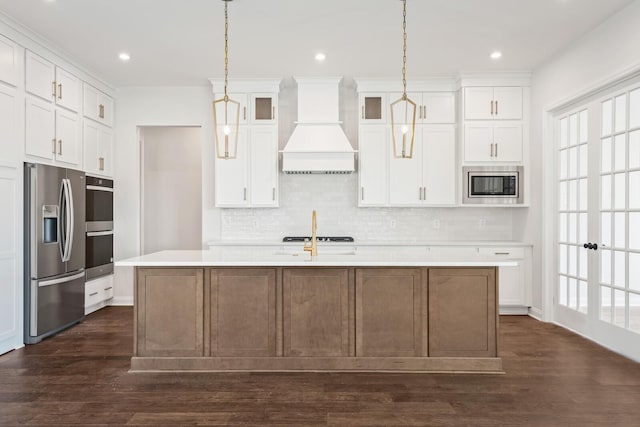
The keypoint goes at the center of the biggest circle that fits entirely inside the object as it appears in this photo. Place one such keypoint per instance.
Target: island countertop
(246, 257)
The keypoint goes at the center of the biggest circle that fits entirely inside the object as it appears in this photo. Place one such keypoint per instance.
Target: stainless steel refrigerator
(54, 250)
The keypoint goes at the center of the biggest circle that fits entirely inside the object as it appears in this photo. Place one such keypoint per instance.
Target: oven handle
(98, 188)
(99, 233)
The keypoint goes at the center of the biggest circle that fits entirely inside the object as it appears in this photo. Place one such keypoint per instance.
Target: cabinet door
(231, 176)
(105, 109)
(9, 124)
(90, 103)
(405, 180)
(169, 312)
(90, 137)
(105, 151)
(233, 114)
(462, 312)
(67, 137)
(438, 107)
(316, 312)
(264, 108)
(478, 140)
(508, 103)
(40, 77)
(40, 128)
(373, 108)
(478, 103)
(511, 286)
(373, 149)
(439, 170)
(67, 90)
(390, 315)
(243, 312)
(507, 137)
(9, 61)
(263, 168)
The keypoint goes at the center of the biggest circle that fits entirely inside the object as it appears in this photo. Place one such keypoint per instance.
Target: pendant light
(226, 111)
(403, 110)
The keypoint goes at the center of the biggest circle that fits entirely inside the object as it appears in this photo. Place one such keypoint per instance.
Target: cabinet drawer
(503, 252)
(98, 290)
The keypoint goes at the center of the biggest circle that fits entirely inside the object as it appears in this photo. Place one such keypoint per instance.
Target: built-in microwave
(493, 185)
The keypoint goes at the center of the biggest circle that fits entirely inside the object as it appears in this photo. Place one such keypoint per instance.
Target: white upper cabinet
(51, 83)
(373, 108)
(493, 103)
(67, 138)
(431, 107)
(493, 142)
(9, 61)
(372, 155)
(264, 107)
(98, 149)
(97, 105)
(251, 179)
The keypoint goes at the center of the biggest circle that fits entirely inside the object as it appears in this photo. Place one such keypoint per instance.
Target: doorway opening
(170, 188)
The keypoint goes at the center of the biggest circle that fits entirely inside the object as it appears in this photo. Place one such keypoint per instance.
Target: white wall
(154, 106)
(604, 53)
(172, 188)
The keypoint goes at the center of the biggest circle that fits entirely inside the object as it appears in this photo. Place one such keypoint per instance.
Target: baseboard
(515, 310)
(121, 301)
(536, 313)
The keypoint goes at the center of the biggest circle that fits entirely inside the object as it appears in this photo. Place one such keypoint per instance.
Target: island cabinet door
(243, 312)
(462, 312)
(169, 312)
(316, 312)
(390, 314)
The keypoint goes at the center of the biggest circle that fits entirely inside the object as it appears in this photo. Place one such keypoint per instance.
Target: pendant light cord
(404, 49)
(226, 51)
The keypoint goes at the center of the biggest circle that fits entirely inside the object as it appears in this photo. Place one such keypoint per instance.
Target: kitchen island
(251, 309)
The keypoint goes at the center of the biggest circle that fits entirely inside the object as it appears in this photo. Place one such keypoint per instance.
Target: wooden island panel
(462, 312)
(243, 312)
(169, 314)
(316, 312)
(390, 312)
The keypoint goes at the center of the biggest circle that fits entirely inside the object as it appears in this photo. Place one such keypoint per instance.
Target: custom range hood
(318, 143)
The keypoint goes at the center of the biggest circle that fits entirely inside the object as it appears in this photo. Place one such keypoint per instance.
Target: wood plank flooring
(553, 378)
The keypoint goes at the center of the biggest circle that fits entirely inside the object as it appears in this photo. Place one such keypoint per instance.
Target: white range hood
(318, 143)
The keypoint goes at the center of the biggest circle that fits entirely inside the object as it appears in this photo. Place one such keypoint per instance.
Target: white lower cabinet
(97, 293)
(98, 149)
(514, 283)
(251, 179)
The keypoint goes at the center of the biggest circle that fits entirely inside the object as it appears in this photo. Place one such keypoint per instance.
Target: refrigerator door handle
(61, 280)
(62, 232)
(70, 219)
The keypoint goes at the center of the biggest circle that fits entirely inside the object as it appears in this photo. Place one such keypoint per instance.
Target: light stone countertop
(510, 243)
(256, 256)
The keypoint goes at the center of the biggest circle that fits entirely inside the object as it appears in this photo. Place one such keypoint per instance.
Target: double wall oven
(99, 218)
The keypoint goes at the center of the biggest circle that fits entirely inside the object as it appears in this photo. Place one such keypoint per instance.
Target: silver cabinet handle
(244, 113)
(419, 193)
(424, 193)
(491, 150)
(492, 108)
(101, 163)
(496, 144)
(59, 90)
(496, 108)
(101, 111)
(245, 193)
(424, 111)
(60, 147)
(362, 193)
(93, 293)
(363, 111)
(53, 90)
(54, 146)
(273, 113)
(502, 253)
(274, 194)
(109, 288)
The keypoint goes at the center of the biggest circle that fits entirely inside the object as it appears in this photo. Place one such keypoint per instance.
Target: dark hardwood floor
(553, 378)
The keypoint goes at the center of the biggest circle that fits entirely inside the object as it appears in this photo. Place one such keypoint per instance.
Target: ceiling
(180, 43)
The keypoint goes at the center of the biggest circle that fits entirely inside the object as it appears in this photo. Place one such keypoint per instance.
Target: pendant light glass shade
(226, 111)
(403, 110)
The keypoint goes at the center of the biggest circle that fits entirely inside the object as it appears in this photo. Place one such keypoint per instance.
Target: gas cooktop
(319, 239)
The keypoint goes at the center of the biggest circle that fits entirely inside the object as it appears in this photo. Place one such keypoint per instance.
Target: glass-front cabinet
(373, 108)
(264, 107)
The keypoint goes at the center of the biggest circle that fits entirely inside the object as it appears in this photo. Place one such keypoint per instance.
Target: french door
(597, 290)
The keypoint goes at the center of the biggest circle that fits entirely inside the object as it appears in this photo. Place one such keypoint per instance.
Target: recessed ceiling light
(496, 54)
(320, 56)
(124, 56)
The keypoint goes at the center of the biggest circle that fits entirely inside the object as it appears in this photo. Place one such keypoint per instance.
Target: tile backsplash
(334, 197)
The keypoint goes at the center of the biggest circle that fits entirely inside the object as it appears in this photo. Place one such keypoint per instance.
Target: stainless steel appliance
(99, 243)
(54, 250)
(494, 185)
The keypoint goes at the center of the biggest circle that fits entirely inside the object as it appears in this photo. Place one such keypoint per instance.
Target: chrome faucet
(313, 247)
